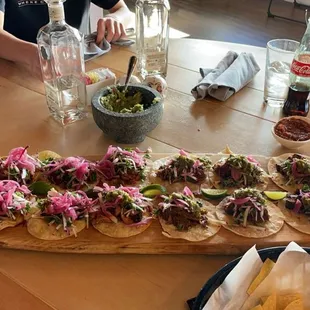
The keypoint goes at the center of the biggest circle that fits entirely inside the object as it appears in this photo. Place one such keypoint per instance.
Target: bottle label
(56, 12)
(300, 68)
(155, 60)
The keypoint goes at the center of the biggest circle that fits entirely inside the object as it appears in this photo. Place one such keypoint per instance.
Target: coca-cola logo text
(300, 68)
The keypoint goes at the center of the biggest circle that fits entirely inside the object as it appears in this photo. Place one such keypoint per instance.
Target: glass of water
(280, 54)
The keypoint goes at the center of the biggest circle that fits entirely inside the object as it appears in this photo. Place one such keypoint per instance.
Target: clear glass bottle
(152, 32)
(62, 63)
(297, 102)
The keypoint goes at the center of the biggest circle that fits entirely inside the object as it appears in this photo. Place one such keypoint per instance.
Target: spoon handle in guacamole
(131, 66)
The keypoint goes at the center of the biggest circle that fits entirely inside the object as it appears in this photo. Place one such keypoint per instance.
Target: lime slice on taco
(45, 155)
(40, 188)
(275, 195)
(213, 193)
(153, 190)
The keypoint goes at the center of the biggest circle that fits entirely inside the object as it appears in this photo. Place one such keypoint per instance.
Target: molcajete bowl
(128, 128)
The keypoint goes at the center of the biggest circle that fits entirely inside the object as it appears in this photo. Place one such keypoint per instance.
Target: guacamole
(120, 102)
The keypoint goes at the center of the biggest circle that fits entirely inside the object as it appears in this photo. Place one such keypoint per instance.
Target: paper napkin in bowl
(231, 74)
(232, 293)
(290, 274)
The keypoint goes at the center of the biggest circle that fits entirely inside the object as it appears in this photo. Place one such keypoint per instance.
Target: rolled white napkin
(231, 74)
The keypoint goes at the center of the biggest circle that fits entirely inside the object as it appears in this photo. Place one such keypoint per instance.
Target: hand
(33, 62)
(109, 28)
(35, 68)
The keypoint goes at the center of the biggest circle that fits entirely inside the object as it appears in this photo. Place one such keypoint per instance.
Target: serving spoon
(131, 66)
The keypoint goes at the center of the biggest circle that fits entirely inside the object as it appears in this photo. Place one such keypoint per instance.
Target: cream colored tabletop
(31, 280)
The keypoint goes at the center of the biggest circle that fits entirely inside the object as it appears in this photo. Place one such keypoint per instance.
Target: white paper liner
(232, 293)
(291, 274)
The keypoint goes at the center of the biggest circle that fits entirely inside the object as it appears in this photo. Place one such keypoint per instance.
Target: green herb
(306, 188)
(249, 192)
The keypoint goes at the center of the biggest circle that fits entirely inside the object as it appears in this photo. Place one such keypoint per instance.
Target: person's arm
(112, 26)
(19, 51)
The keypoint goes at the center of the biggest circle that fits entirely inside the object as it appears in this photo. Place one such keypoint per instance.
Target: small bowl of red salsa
(292, 132)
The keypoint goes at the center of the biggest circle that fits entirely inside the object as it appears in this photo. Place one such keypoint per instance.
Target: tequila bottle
(152, 32)
(62, 63)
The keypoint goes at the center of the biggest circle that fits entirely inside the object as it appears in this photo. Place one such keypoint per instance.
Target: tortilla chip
(177, 186)
(40, 229)
(285, 300)
(11, 223)
(227, 150)
(259, 307)
(264, 272)
(295, 305)
(277, 177)
(196, 233)
(271, 302)
(271, 227)
(216, 180)
(300, 222)
(119, 230)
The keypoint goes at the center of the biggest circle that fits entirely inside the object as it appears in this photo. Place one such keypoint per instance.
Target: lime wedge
(40, 188)
(213, 193)
(153, 190)
(275, 195)
(44, 155)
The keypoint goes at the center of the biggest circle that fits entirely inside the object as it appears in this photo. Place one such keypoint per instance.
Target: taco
(238, 171)
(248, 214)
(178, 171)
(19, 166)
(183, 216)
(123, 212)
(60, 215)
(15, 203)
(296, 210)
(290, 171)
(124, 166)
(71, 173)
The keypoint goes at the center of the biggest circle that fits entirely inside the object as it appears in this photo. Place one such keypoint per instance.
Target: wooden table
(31, 280)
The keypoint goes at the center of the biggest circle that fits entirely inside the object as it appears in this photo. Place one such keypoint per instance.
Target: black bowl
(217, 279)
(128, 128)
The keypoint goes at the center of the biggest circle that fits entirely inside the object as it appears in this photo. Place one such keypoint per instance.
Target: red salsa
(293, 129)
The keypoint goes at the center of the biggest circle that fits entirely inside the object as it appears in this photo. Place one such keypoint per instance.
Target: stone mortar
(128, 128)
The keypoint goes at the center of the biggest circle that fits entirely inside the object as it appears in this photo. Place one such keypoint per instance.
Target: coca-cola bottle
(297, 102)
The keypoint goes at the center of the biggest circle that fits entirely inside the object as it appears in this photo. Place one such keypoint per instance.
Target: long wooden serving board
(151, 241)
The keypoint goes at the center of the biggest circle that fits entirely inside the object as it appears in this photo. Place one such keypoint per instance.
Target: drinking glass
(280, 54)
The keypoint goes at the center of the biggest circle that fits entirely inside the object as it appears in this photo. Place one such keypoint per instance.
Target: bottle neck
(56, 12)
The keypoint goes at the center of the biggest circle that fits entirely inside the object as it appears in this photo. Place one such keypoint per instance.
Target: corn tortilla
(274, 225)
(300, 222)
(117, 182)
(176, 186)
(40, 229)
(216, 180)
(195, 233)
(119, 229)
(277, 177)
(5, 223)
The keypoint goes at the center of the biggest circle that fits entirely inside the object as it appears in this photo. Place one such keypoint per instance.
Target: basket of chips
(269, 279)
